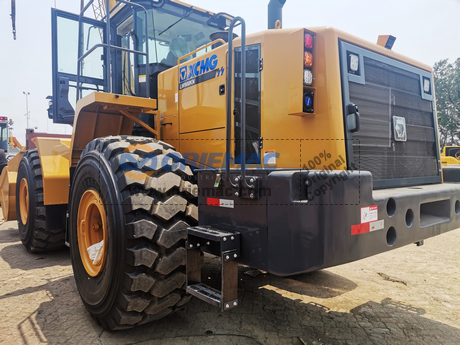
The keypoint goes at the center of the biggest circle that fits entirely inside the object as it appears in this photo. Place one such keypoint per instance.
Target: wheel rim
(24, 201)
(91, 229)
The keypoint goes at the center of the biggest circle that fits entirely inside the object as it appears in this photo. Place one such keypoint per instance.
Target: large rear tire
(30, 210)
(147, 205)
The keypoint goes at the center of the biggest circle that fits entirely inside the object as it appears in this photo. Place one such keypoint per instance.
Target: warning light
(308, 41)
(308, 59)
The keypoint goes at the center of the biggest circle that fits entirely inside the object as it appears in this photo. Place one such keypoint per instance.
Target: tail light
(308, 59)
(308, 73)
(308, 41)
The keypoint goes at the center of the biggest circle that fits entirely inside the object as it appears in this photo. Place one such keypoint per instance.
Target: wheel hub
(24, 200)
(91, 230)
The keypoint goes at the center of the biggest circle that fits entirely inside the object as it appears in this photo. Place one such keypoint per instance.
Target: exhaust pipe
(275, 12)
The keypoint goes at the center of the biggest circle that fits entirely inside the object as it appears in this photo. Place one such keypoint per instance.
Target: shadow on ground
(17, 256)
(265, 316)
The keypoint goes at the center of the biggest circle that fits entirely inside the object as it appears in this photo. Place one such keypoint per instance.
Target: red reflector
(213, 202)
(308, 41)
(308, 59)
(359, 229)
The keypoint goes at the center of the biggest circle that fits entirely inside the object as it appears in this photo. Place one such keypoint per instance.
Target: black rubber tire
(34, 235)
(144, 274)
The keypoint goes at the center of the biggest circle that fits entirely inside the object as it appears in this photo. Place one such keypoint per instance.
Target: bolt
(236, 193)
(225, 238)
(251, 180)
(235, 256)
(191, 246)
(198, 244)
(237, 179)
(226, 306)
(235, 304)
(232, 238)
(208, 243)
(227, 257)
(252, 195)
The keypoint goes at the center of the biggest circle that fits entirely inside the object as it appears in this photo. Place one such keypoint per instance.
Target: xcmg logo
(199, 68)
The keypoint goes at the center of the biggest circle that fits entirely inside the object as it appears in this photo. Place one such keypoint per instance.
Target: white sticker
(270, 157)
(227, 203)
(142, 78)
(369, 214)
(176, 97)
(378, 225)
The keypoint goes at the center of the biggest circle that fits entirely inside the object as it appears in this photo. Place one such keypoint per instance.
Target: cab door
(67, 46)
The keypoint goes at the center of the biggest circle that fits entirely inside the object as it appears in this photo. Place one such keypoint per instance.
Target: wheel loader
(288, 150)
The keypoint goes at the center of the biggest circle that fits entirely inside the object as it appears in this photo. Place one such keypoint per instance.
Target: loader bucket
(8, 187)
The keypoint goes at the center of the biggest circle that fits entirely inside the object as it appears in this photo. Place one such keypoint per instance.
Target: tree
(447, 86)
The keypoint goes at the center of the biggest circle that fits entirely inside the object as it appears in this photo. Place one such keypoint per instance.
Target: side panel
(168, 98)
(204, 153)
(202, 105)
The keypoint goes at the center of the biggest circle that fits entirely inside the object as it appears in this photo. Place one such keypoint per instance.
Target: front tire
(140, 276)
(30, 210)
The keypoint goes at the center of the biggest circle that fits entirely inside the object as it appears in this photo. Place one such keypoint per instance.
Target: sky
(425, 30)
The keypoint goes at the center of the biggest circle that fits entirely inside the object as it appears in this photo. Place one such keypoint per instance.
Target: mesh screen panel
(252, 105)
(390, 91)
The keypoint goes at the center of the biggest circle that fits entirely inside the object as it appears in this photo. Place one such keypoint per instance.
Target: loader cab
(4, 133)
(145, 39)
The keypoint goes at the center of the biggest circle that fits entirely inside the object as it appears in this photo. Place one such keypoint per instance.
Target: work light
(307, 77)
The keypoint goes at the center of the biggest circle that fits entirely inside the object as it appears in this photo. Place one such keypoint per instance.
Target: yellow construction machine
(188, 139)
(450, 155)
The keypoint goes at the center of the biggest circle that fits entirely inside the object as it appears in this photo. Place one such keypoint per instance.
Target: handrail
(243, 102)
(219, 40)
(109, 46)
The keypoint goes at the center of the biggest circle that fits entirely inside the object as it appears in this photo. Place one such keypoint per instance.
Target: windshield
(171, 36)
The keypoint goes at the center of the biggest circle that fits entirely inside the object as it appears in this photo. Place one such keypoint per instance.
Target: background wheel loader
(289, 150)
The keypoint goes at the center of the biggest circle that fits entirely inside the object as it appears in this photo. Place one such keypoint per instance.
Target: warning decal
(369, 214)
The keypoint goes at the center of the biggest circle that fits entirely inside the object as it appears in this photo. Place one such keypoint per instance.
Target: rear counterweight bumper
(304, 221)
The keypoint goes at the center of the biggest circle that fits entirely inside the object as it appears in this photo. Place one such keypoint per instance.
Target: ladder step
(205, 293)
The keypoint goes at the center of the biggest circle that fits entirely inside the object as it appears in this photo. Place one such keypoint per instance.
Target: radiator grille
(391, 91)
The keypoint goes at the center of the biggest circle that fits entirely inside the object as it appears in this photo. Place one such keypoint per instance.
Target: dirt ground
(407, 296)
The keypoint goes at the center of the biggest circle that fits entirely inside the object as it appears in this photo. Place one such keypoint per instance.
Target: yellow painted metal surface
(201, 107)
(102, 114)
(8, 187)
(197, 112)
(24, 200)
(54, 159)
(449, 160)
(91, 230)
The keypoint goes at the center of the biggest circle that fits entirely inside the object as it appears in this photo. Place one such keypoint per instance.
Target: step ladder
(223, 244)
